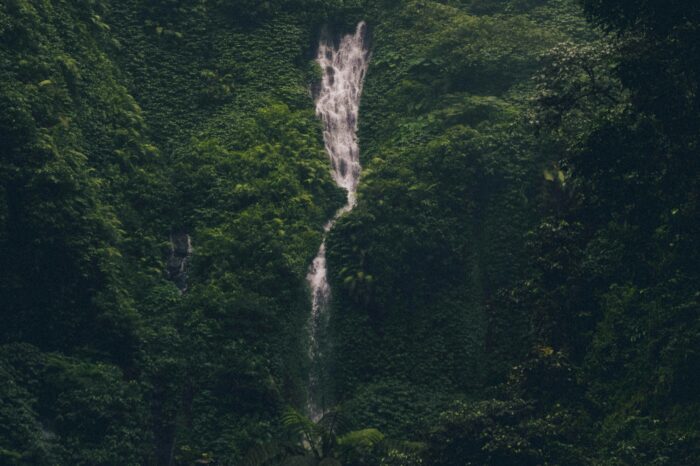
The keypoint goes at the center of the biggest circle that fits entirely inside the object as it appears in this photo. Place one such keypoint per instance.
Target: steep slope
(126, 122)
(517, 283)
(449, 189)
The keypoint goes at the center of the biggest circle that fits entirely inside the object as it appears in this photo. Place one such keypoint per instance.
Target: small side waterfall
(344, 67)
(178, 262)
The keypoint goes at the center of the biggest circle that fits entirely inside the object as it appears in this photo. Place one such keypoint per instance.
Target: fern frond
(297, 422)
(334, 421)
(361, 438)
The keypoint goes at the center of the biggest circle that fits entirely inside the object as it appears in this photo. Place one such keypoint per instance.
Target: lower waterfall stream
(344, 66)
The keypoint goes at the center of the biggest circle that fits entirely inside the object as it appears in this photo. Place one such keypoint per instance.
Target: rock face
(180, 252)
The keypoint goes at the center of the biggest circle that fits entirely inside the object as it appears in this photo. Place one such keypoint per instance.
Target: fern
(314, 443)
(361, 438)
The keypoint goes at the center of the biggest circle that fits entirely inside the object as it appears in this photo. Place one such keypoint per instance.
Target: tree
(312, 443)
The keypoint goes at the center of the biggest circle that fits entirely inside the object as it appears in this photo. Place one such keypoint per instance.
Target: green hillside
(517, 285)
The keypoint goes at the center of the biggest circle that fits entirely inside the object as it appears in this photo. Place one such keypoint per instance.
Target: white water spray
(338, 102)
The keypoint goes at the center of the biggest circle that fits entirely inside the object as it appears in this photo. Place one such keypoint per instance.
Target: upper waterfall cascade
(344, 66)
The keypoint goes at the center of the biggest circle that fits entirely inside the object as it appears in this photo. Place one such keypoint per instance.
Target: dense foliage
(447, 193)
(123, 124)
(518, 284)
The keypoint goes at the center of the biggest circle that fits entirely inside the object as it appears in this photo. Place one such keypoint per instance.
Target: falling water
(344, 66)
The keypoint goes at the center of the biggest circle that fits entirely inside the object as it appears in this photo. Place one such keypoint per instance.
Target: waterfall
(344, 66)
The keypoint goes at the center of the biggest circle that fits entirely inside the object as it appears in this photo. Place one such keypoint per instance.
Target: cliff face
(123, 122)
(517, 279)
(448, 192)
